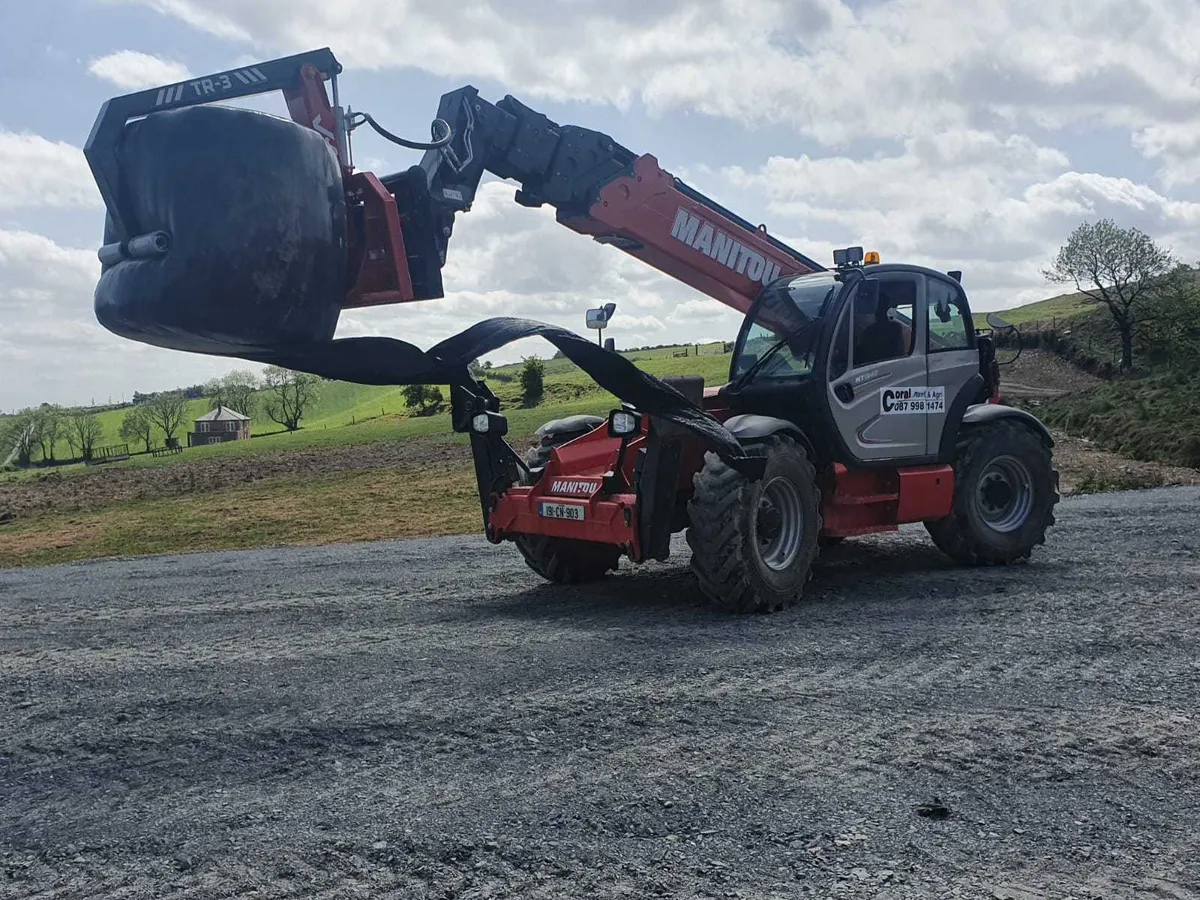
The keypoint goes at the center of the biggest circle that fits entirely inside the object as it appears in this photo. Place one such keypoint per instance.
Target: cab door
(876, 380)
(950, 353)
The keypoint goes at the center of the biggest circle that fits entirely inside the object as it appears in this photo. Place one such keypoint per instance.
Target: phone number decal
(912, 401)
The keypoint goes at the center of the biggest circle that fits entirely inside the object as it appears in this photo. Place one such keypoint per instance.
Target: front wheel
(753, 542)
(567, 561)
(1004, 496)
(564, 560)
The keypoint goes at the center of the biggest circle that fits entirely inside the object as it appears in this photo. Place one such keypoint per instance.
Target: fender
(982, 413)
(749, 427)
(579, 425)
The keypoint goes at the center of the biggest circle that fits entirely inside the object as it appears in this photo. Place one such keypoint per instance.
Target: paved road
(425, 719)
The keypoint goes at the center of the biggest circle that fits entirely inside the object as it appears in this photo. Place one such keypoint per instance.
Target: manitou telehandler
(862, 396)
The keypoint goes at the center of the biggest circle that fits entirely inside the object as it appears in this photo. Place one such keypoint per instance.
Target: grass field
(1150, 417)
(368, 470)
(359, 414)
(1064, 306)
(348, 506)
(407, 497)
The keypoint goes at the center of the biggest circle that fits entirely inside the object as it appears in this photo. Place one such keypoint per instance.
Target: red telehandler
(864, 393)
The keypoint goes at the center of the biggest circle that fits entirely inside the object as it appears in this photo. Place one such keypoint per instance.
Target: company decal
(716, 244)
(912, 401)
(574, 487)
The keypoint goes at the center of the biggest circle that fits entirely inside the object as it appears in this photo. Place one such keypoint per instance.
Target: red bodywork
(375, 235)
(852, 503)
(641, 208)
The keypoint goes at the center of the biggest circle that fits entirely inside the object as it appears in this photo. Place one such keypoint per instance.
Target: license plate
(573, 511)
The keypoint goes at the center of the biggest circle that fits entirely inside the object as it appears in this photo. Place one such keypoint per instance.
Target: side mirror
(942, 310)
(996, 322)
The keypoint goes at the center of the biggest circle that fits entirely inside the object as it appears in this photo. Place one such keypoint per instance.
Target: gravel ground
(426, 719)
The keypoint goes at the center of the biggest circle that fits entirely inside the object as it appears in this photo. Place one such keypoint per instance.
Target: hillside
(1064, 306)
(1151, 414)
(348, 414)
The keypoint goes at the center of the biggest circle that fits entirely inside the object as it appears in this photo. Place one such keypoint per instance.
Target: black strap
(376, 360)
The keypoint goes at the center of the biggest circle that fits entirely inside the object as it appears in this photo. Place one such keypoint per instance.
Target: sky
(971, 136)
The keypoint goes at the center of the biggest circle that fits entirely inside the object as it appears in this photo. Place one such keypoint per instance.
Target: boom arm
(400, 225)
(602, 189)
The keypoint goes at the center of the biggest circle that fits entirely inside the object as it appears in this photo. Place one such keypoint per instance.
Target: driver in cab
(879, 335)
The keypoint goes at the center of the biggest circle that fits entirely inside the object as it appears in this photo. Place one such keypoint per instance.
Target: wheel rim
(1004, 494)
(780, 524)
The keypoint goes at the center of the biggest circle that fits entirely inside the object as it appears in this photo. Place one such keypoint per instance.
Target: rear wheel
(1004, 496)
(562, 560)
(753, 542)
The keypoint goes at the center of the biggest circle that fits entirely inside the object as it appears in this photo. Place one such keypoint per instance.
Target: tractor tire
(753, 542)
(566, 561)
(562, 560)
(1005, 491)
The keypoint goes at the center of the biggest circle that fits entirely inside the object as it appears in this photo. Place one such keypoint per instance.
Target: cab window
(839, 355)
(948, 324)
(886, 331)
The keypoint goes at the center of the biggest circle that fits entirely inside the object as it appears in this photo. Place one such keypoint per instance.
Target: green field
(1064, 306)
(359, 414)
(347, 497)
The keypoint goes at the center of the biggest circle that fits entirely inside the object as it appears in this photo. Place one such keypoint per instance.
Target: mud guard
(982, 413)
(749, 427)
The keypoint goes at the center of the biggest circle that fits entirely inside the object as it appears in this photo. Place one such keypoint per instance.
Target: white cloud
(960, 104)
(888, 68)
(35, 172)
(1177, 146)
(998, 211)
(135, 71)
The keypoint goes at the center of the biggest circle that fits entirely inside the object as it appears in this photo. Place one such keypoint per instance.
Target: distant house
(220, 425)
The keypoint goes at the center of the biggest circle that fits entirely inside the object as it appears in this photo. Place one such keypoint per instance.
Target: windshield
(787, 313)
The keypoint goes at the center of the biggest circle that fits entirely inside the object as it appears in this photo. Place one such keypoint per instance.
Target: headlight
(622, 423)
(480, 423)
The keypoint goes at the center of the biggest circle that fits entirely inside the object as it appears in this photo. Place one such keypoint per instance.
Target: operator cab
(871, 360)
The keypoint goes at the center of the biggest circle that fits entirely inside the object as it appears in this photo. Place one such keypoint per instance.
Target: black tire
(1004, 496)
(562, 560)
(566, 561)
(733, 537)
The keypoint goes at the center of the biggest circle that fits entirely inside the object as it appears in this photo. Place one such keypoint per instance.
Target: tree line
(34, 434)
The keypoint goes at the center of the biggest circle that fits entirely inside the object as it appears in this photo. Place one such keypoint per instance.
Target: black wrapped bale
(254, 209)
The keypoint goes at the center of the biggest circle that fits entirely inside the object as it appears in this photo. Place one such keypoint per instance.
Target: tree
(88, 432)
(166, 411)
(1117, 268)
(1172, 334)
(71, 438)
(20, 437)
(533, 385)
(235, 391)
(289, 394)
(51, 422)
(136, 426)
(421, 397)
